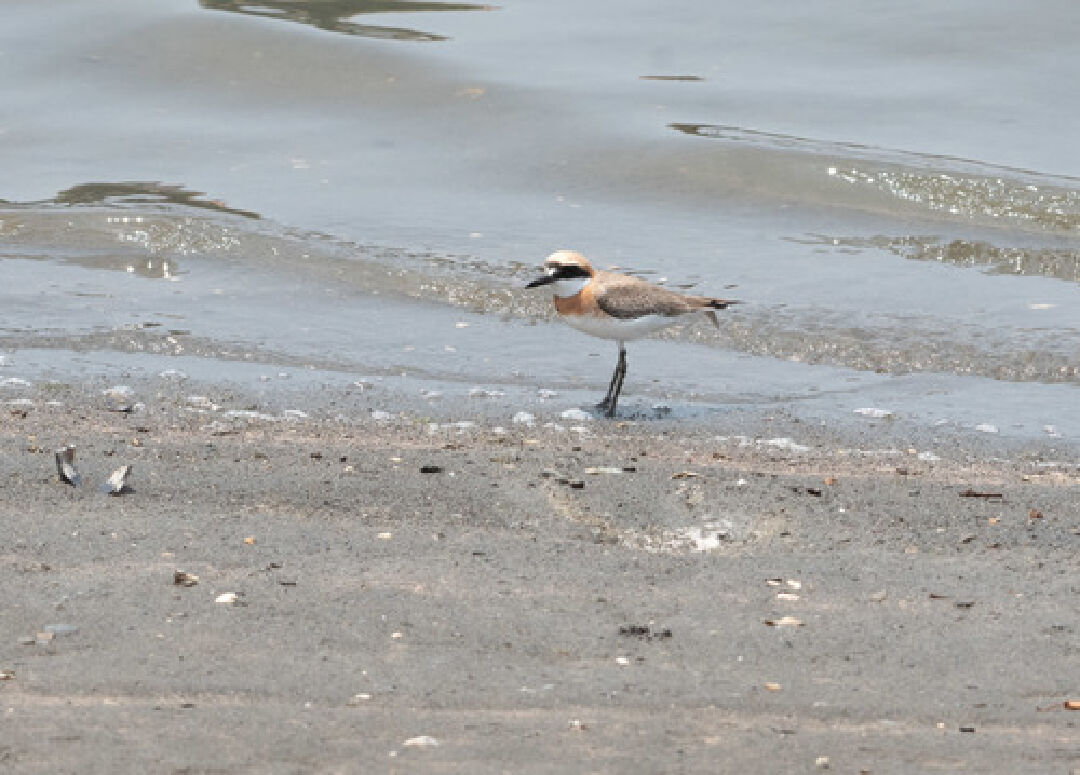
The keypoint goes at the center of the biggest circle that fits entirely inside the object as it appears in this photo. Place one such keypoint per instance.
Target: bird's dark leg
(611, 400)
(606, 403)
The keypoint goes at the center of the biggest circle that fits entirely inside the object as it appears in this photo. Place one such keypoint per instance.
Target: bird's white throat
(570, 286)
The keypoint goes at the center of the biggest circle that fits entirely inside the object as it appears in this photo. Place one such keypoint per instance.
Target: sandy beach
(410, 596)
(274, 256)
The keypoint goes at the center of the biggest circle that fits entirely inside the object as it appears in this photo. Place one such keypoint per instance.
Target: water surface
(893, 191)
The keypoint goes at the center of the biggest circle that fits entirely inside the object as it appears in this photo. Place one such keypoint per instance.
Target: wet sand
(531, 599)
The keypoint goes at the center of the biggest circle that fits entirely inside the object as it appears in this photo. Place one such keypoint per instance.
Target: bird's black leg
(605, 405)
(611, 400)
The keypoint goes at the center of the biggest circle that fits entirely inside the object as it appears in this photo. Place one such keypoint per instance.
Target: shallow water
(341, 184)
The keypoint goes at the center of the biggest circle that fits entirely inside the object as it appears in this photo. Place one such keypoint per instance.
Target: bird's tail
(714, 304)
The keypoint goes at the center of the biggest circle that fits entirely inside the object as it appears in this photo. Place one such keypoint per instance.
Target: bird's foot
(607, 407)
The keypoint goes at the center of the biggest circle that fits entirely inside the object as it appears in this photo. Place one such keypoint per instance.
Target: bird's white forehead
(565, 258)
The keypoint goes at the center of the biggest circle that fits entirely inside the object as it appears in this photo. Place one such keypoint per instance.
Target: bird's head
(567, 270)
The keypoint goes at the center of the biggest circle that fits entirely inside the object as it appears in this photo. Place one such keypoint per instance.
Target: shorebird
(616, 306)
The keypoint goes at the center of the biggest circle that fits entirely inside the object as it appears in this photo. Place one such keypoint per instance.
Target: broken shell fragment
(117, 483)
(226, 597)
(421, 741)
(184, 579)
(65, 466)
(784, 621)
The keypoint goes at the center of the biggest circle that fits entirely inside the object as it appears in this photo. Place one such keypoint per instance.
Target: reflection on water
(1047, 262)
(150, 267)
(949, 184)
(333, 15)
(140, 193)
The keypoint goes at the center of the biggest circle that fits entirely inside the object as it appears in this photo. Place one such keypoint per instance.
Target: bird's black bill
(542, 280)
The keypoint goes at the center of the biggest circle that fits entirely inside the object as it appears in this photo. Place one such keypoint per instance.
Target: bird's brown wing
(628, 297)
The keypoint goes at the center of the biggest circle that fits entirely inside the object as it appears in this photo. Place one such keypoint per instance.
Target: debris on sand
(785, 621)
(644, 632)
(421, 741)
(61, 630)
(118, 482)
(970, 493)
(65, 466)
(1067, 705)
(182, 578)
(118, 398)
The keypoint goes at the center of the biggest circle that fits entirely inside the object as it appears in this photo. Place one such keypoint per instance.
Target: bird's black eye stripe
(570, 272)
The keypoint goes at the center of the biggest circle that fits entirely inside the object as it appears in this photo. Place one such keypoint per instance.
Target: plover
(616, 306)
